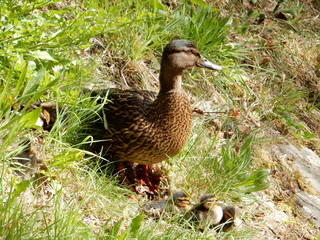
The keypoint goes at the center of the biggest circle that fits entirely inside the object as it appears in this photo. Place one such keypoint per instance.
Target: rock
(307, 163)
(310, 206)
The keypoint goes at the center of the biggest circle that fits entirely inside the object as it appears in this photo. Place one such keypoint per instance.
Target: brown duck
(147, 127)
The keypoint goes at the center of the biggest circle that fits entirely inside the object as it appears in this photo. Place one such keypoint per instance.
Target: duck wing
(122, 108)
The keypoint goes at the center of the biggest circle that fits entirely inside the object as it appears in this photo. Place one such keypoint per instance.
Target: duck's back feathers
(144, 127)
(123, 107)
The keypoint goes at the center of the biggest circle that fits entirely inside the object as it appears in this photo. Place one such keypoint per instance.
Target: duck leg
(122, 172)
(147, 178)
(146, 175)
(143, 178)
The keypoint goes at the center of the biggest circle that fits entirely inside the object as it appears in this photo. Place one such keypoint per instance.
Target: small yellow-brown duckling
(178, 203)
(230, 218)
(208, 212)
(48, 114)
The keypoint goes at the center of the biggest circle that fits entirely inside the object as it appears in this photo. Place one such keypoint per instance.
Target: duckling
(48, 114)
(208, 212)
(230, 218)
(147, 127)
(178, 203)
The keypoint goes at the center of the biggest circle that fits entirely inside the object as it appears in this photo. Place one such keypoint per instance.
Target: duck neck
(170, 79)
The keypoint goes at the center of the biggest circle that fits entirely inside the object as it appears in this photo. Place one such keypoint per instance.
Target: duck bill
(205, 63)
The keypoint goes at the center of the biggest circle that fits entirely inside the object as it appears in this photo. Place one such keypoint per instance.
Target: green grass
(46, 55)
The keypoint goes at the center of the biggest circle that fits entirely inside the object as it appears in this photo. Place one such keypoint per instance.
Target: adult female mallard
(147, 127)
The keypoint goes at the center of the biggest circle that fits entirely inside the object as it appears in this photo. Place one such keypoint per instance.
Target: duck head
(181, 200)
(177, 56)
(182, 54)
(208, 201)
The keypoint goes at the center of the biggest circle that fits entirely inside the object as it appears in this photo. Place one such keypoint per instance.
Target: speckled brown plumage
(149, 131)
(146, 127)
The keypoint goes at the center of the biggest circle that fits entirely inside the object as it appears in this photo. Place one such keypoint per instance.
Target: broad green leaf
(307, 134)
(39, 93)
(123, 235)
(67, 157)
(135, 225)
(34, 83)
(29, 119)
(256, 181)
(115, 229)
(42, 55)
(21, 187)
(156, 4)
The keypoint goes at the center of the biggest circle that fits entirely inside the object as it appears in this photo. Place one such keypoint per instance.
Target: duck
(178, 203)
(230, 218)
(208, 213)
(146, 127)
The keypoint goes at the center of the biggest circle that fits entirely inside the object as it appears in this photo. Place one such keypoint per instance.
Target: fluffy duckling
(230, 218)
(178, 203)
(208, 212)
